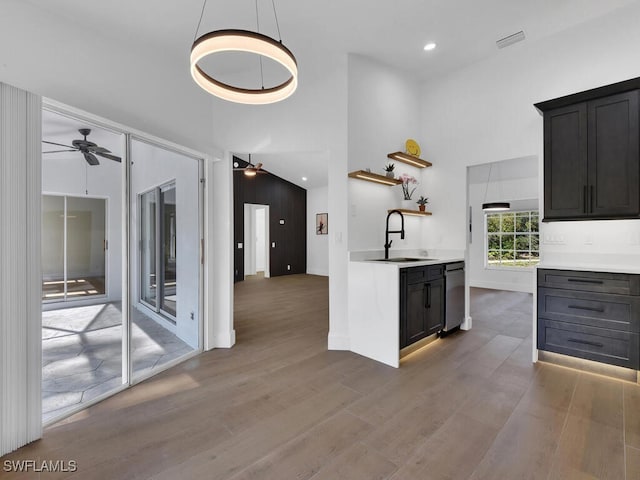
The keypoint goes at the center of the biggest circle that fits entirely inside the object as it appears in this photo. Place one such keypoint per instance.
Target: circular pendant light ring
(243, 41)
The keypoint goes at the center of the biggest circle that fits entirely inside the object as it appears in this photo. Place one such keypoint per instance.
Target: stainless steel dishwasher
(454, 295)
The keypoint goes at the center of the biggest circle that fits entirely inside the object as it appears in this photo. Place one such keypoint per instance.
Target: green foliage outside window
(513, 239)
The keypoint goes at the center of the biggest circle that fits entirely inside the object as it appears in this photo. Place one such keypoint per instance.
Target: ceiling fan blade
(59, 151)
(97, 149)
(58, 144)
(91, 158)
(110, 157)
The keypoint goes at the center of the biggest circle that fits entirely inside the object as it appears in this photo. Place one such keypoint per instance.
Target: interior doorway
(256, 240)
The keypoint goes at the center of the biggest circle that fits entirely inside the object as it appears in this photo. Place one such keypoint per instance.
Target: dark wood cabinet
(592, 154)
(421, 303)
(591, 315)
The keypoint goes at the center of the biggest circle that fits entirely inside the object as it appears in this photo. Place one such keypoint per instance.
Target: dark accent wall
(286, 201)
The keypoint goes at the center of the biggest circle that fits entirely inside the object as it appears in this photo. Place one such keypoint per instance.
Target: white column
(20, 277)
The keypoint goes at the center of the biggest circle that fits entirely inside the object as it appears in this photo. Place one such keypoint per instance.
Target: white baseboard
(225, 339)
(322, 273)
(338, 342)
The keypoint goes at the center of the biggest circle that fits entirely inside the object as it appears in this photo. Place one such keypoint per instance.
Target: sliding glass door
(166, 226)
(73, 247)
(121, 263)
(158, 250)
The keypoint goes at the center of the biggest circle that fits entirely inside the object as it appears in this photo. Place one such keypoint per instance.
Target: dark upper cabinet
(565, 162)
(614, 156)
(421, 303)
(592, 155)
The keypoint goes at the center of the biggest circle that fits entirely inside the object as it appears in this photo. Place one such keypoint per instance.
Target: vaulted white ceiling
(393, 33)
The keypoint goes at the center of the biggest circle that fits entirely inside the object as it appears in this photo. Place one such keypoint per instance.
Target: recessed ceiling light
(304, 179)
(429, 46)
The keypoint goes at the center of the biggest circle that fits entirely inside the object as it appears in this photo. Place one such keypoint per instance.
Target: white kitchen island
(374, 300)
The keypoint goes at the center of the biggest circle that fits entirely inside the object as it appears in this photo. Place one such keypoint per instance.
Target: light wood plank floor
(280, 406)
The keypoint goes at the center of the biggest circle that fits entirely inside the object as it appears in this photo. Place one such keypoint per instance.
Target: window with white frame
(512, 239)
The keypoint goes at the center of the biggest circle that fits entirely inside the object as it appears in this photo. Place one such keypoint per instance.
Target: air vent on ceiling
(510, 40)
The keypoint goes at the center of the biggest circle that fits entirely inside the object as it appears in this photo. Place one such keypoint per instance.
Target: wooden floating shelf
(409, 159)
(374, 177)
(406, 211)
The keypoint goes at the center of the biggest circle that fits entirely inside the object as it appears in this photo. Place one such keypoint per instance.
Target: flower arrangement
(407, 182)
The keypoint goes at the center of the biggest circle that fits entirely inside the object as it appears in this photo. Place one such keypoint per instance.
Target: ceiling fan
(87, 148)
(250, 170)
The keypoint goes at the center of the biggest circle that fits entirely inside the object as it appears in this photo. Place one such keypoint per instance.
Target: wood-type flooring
(280, 406)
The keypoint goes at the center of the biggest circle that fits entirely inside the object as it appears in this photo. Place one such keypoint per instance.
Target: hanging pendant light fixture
(231, 40)
(489, 207)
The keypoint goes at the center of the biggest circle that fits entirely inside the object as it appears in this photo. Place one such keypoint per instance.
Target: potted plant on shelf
(389, 169)
(422, 203)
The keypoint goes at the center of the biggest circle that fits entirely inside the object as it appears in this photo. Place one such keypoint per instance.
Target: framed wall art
(322, 226)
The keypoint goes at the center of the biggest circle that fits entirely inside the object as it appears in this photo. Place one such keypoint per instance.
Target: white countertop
(428, 257)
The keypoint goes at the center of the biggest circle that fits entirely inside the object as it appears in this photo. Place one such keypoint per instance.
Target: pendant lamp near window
(489, 207)
(231, 40)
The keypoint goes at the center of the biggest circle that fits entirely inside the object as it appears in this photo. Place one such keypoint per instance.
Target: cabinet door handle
(590, 309)
(591, 195)
(586, 342)
(584, 199)
(585, 280)
(428, 287)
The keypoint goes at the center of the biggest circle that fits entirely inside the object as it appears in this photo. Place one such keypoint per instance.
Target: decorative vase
(390, 175)
(408, 204)
(422, 208)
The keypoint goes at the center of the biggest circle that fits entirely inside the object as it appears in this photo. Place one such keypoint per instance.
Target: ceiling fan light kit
(233, 40)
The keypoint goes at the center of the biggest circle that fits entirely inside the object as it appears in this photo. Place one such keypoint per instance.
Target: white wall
(152, 167)
(138, 86)
(485, 112)
(317, 245)
(514, 181)
(383, 113)
(66, 175)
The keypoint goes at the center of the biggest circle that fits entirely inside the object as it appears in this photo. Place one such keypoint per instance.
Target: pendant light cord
(486, 188)
(277, 24)
(259, 56)
(204, 4)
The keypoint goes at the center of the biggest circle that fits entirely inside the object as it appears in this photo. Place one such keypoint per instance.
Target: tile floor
(82, 353)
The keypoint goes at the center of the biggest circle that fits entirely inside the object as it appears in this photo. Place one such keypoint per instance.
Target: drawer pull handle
(586, 342)
(584, 280)
(589, 309)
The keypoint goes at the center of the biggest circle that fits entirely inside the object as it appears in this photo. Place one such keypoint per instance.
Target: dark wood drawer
(424, 273)
(618, 283)
(435, 272)
(615, 312)
(416, 274)
(598, 344)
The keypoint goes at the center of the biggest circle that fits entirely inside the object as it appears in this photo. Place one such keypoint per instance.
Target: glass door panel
(166, 274)
(148, 283)
(53, 276)
(169, 249)
(86, 246)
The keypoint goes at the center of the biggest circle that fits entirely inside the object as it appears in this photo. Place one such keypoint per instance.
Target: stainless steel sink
(404, 259)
